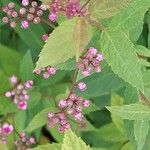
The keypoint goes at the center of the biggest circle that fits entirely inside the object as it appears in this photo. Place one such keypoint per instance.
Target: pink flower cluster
(45, 37)
(5, 130)
(71, 107)
(27, 14)
(71, 8)
(82, 86)
(19, 94)
(90, 62)
(24, 143)
(59, 119)
(46, 72)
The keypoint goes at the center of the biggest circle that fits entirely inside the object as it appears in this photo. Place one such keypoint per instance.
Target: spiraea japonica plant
(74, 71)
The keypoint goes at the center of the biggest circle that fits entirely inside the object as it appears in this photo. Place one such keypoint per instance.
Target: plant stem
(95, 23)
(85, 4)
(74, 80)
(124, 143)
(13, 121)
(48, 23)
(14, 129)
(144, 99)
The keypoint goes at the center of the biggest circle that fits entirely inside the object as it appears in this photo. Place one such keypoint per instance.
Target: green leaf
(63, 44)
(146, 75)
(26, 67)
(5, 84)
(119, 53)
(132, 16)
(99, 148)
(107, 8)
(53, 146)
(148, 22)
(130, 96)
(91, 108)
(111, 130)
(117, 100)
(131, 112)
(144, 62)
(141, 128)
(108, 136)
(127, 146)
(34, 40)
(96, 81)
(143, 51)
(9, 60)
(39, 120)
(72, 142)
(35, 97)
(135, 33)
(57, 135)
(20, 120)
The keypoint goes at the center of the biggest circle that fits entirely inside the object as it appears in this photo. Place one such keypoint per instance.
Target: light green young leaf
(131, 16)
(81, 36)
(119, 53)
(72, 142)
(68, 65)
(52, 146)
(131, 112)
(107, 8)
(63, 43)
(39, 120)
(4, 146)
(26, 67)
(141, 128)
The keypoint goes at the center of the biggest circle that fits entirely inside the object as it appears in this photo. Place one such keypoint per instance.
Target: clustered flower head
(26, 15)
(70, 8)
(5, 130)
(46, 72)
(19, 94)
(71, 107)
(24, 143)
(90, 62)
